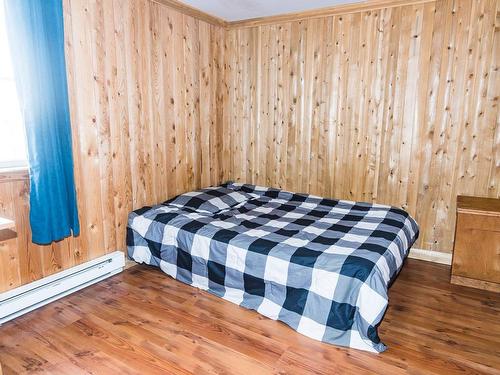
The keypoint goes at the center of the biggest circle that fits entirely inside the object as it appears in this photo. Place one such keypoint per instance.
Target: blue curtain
(36, 36)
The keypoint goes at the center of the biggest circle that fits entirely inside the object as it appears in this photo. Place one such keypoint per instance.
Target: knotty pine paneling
(144, 82)
(396, 105)
(20, 260)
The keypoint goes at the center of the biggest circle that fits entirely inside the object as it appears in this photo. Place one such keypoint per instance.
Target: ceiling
(236, 10)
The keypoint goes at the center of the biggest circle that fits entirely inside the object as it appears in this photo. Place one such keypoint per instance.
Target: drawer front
(477, 247)
(478, 221)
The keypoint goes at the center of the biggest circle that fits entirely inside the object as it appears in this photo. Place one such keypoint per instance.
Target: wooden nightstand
(476, 254)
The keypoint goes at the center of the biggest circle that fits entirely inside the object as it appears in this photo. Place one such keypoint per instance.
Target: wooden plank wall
(144, 82)
(396, 105)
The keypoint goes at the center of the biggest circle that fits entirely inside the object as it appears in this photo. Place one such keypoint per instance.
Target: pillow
(259, 191)
(253, 190)
(274, 193)
(210, 200)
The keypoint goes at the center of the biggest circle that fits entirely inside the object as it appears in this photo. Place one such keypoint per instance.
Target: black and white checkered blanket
(321, 266)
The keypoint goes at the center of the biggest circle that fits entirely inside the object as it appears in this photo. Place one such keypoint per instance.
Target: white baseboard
(130, 263)
(26, 298)
(430, 256)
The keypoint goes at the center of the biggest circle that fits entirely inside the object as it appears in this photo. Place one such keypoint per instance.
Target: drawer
(477, 247)
(478, 221)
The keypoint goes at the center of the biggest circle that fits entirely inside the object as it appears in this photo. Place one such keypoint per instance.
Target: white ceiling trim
(237, 10)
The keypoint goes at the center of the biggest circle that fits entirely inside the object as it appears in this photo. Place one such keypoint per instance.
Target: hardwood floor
(142, 321)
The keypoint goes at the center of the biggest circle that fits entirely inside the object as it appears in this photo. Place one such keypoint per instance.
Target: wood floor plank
(142, 321)
(149, 318)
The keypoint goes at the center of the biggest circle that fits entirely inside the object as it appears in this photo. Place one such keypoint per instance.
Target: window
(12, 139)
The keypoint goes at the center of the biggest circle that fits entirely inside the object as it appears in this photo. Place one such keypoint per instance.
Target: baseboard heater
(26, 298)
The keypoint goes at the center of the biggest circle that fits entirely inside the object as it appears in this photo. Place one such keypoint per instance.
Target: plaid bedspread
(321, 266)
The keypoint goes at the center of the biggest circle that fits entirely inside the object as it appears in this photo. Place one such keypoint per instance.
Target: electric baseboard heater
(26, 298)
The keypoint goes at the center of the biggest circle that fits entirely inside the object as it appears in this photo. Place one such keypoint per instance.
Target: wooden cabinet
(476, 254)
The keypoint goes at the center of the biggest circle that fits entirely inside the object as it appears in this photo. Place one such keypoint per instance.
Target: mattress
(321, 266)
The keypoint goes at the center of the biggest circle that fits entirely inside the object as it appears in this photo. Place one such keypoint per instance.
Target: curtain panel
(36, 37)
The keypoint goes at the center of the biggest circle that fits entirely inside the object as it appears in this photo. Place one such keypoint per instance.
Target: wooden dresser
(476, 254)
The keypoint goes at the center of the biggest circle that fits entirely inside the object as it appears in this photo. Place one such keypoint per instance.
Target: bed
(321, 266)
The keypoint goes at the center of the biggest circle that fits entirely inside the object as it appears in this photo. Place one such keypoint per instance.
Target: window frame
(15, 163)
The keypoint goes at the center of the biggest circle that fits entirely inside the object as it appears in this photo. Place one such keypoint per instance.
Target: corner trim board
(192, 12)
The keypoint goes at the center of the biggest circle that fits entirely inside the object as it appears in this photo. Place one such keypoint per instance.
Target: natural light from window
(12, 139)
